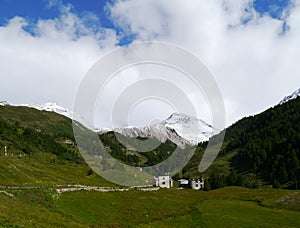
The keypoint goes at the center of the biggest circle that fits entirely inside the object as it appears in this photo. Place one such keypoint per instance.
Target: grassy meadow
(226, 207)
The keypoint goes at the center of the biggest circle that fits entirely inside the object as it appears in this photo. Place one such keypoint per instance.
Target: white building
(163, 181)
(183, 183)
(197, 184)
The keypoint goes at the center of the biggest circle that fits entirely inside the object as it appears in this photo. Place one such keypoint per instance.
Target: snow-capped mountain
(190, 128)
(155, 131)
(181, 129)
(294, 95)
(53, 107)
(49, 107)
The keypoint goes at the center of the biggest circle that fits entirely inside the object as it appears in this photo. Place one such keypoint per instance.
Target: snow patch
(294, 95)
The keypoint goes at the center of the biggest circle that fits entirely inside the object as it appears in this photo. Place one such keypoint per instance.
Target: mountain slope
(37, 148)
(260, 149)
(48, 122)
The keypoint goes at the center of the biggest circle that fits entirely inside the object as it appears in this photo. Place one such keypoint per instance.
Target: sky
(251, 47)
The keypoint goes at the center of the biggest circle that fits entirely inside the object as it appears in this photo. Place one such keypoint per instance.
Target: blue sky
(32, 10)
(39, 9)
(272, 7)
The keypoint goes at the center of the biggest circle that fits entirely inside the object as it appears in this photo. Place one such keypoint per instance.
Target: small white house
(197, 184)
(183, 183)
(163, 181)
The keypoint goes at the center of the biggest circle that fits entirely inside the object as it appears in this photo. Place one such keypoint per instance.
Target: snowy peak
(181, 129)
(189, 127)
(294, 95)
(186, 121)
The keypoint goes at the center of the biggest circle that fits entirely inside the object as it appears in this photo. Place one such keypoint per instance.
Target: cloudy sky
(251, 47)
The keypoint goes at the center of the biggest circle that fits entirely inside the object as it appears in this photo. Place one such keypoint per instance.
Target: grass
(226, 207)
(36, 170)
(232, 213)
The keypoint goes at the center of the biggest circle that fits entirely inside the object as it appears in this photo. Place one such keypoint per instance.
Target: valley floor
(226, 207)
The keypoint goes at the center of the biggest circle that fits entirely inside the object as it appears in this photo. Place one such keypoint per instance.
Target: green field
(226, 207)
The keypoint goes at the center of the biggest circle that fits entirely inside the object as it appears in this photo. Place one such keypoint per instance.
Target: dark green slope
(260, 149)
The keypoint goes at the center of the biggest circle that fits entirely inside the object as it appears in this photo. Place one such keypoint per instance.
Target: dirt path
(71, 187)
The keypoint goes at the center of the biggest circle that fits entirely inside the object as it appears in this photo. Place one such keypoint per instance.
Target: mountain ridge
(292, 96)
(181, 129)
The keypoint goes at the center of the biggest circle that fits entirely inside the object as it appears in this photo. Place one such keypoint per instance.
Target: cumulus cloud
(253, 57)
(48, 62)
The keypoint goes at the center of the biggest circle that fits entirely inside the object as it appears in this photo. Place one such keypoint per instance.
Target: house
(163, 181)
(197, 184)
(183, 183)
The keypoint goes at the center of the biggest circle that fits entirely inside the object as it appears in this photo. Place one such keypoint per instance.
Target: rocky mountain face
(181, 129)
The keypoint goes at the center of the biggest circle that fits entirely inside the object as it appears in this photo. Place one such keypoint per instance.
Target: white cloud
(132, 17)
(254, 63)
(49, 65)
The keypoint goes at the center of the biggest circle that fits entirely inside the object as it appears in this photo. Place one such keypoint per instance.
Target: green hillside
(49, 122)
(27, 131)
(259, 150)
(133, 157)
(40, 150)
